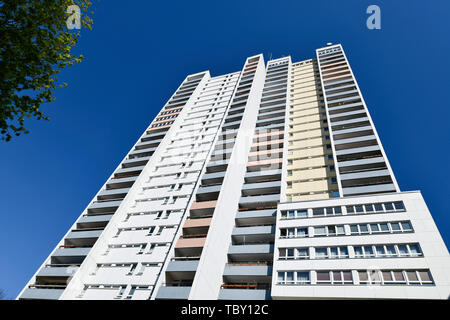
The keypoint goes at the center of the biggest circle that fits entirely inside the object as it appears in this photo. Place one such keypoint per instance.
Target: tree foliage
(35, 44)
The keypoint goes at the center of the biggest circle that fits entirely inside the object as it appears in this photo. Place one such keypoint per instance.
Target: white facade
(198, 209)
(403, 250)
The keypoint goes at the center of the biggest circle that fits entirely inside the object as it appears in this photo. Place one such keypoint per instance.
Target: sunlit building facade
(266, 183)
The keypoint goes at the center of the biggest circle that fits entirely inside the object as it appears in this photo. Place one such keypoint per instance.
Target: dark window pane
(347, 276)
(412, 276)
(337, 276)
(323, 276)
(363, 276)
(399, 205)
(318, 212)
(378, 207)
(424, 276)
(387, 276)
(398, 276)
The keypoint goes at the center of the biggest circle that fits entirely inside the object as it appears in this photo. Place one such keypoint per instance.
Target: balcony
(148, 144)
(135, 153)
(110, 194)
(226, 293)
(379, 188)
(357, 150)
(214, 166)
(213, 178)
(250, 252)
(104, 206)
(231, 125)
(260, 201)
(182, 267)
(183, 243)
(156, 135)
(197, 223)
(248, 272)
(128, 163)
(208, 193)
(222, 154)
(270, 121)
(86, 220)
(225, 144)
(69, 256)
(128, 172)
(255, 234)
(173, 292)
(365, 174)
(41, 293)
(252, 189)
(350, 123)
(203, 208)
(57, 272)
(85, 238)
(257, 176)
(256, 217)
(120, 183)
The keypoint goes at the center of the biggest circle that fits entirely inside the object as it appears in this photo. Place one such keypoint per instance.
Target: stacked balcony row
(248, 272)
(360, 162)
(52, 279)
(181, 271)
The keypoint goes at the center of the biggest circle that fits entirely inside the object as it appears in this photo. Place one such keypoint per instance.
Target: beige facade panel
(305, 106)
(305, 135)
(307, 143)
(310, 152)
(311, 186)
(305, 120)
(318, 173)
(317, 196)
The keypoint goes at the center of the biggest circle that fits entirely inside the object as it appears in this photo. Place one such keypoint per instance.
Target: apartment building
(266, 183)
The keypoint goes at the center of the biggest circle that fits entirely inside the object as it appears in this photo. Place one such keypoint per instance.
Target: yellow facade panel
(311, 186)
(311, 197)
(318, 173)
(306, 126)
(307, 143)
(305, 119)
(312, 162)
(306, 134)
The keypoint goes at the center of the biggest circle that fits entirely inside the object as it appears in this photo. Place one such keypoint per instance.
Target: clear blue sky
(140, 51)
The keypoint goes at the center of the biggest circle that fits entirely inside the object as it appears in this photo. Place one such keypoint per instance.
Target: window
(387, 277)
(303, 278)
(294, 214)
(334, 277)
(376, 208)
(331, 253)
(320, 231)
(291, 278)
(318, 212)
(321, 253)
(392, 227)
(323, 277)
(293, 232)
(329, 211)
(302, 253)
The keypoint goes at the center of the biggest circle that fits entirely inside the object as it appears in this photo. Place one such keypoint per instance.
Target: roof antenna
(329, 44)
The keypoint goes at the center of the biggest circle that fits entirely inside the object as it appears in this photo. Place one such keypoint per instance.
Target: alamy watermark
(374, 20)
(74, 20)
